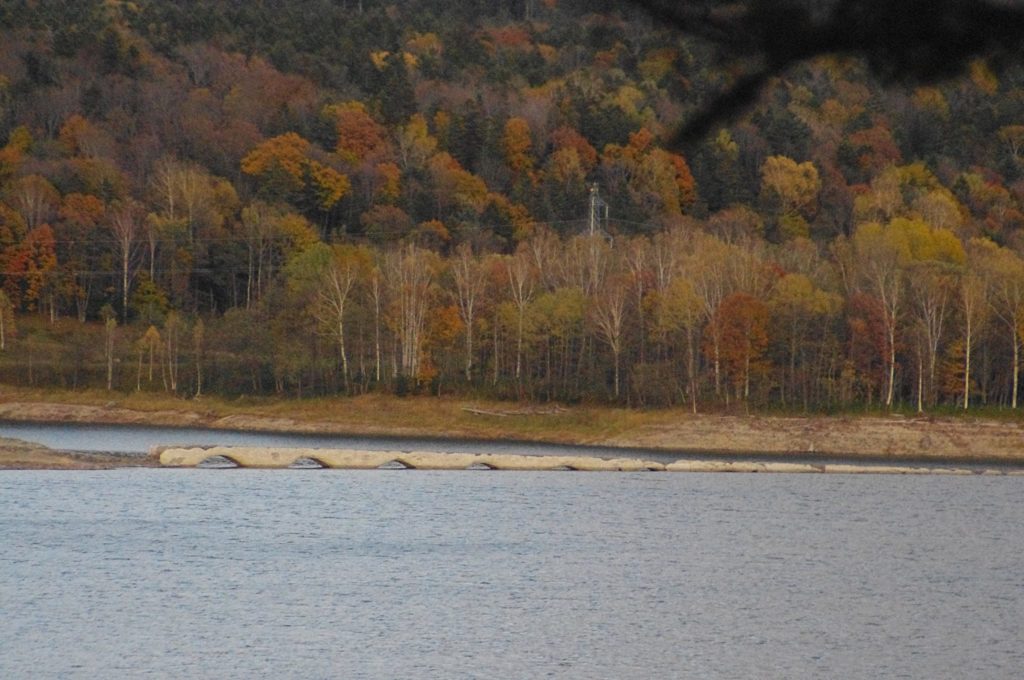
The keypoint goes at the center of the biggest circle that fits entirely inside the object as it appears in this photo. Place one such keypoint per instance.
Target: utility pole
(598, 212)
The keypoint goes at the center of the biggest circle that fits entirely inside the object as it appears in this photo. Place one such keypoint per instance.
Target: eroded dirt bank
(877, 438)
(20, 455)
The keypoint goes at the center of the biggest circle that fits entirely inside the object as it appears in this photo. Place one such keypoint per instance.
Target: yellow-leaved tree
(792, 188)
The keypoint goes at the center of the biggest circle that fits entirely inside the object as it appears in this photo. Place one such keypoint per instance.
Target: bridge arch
(480, 465)
(219, 460)
(396, 464)
(308, 462)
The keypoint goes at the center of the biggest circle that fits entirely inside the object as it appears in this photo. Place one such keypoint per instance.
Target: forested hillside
(337, 196)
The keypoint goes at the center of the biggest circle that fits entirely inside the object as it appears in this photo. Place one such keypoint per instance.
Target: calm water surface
(393, 574)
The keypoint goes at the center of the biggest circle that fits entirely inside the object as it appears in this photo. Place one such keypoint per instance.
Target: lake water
(144, 573)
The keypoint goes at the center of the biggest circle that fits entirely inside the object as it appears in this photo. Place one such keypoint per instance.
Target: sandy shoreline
(855, 439)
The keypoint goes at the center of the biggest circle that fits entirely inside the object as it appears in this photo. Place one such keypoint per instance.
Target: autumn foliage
(485, 199)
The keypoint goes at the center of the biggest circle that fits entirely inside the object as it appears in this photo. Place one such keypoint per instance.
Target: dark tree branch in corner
(913, 41)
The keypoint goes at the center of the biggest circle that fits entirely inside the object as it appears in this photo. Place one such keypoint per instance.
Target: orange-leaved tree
(741, 323)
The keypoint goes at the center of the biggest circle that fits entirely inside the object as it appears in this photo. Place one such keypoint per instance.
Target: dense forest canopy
(489, 198)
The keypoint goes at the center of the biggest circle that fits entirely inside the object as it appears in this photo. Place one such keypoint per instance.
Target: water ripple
(377, 574)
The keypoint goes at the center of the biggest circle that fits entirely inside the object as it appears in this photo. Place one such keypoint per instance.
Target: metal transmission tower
(597, 217)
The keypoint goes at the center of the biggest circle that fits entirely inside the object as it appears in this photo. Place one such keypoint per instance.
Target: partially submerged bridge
(359, 459)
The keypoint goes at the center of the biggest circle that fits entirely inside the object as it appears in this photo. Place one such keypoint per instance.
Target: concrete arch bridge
(356, 459)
